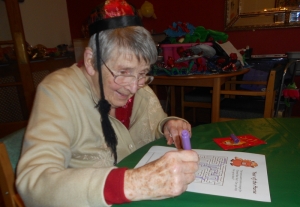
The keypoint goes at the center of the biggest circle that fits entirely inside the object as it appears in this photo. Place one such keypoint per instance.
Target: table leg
(229, 86)
(215, 107)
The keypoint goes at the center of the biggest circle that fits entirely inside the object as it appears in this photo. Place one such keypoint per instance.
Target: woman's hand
(172, 131)
(166, 177)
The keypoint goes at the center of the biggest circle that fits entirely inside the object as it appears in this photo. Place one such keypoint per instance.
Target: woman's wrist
(134, 184)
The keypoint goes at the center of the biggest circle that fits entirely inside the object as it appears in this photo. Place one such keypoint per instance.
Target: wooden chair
(244, 104)
(10, 150)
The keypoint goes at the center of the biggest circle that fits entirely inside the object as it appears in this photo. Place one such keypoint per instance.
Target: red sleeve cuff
(114, 187)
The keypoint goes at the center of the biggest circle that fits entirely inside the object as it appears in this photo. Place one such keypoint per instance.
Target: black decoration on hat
(113, 14)
(116, 22)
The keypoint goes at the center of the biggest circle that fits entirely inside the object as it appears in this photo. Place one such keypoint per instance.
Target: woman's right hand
(166, 177)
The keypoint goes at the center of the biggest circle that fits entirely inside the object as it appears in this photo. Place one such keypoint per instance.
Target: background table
(282, 153)
(214, 80)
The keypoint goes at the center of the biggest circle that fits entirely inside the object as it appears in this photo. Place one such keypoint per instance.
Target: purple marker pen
(234, 138)
(185, 140)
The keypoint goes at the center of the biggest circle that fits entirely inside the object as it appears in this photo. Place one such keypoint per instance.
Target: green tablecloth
(282, 153)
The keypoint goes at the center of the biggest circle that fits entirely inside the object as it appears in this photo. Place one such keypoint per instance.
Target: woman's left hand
(172, 131)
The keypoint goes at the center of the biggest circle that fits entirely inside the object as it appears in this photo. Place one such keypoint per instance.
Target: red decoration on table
(246, 140)
(171, 62)
(291, 93)
(233, 57)
(201, 64)
(220, 61)
(180, 51)
(183, 26)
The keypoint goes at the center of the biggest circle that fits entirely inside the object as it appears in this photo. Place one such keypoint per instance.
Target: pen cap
(234, 138)
(185, 140)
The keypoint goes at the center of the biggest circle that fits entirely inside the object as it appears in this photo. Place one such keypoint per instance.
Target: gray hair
(136, 40)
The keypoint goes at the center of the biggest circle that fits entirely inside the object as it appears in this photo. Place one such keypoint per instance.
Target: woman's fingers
(173, 130)
(168, 176)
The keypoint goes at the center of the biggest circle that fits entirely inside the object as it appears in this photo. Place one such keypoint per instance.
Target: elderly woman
(88, 117)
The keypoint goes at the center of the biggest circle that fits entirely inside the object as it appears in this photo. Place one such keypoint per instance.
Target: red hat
(113, 14)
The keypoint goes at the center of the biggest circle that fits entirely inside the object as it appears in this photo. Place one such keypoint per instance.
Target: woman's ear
(88, 61)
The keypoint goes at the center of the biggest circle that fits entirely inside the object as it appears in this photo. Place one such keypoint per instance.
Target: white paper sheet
(220, 174)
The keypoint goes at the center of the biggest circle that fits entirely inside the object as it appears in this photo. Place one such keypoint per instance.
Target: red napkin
(246, 140)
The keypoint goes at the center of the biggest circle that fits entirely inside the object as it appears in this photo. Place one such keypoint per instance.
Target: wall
(45, 22)
(4, 25)
(207, 13)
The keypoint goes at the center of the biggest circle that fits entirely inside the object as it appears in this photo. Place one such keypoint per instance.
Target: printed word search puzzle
(224, 173)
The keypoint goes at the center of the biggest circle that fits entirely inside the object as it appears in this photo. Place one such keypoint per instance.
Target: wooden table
(214, 80)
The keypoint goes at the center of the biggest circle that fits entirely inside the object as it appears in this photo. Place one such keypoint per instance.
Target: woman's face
(115, 94)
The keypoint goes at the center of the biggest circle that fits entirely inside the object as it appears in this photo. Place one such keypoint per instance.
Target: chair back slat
(249, 107)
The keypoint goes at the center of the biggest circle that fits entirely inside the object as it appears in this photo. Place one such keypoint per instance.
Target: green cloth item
(282, 153)
(13, 143)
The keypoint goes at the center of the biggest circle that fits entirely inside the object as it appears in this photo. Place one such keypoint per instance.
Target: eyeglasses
(124, 80)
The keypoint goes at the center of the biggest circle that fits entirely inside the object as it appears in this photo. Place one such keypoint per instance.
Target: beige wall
(4, 26)
(45, 22)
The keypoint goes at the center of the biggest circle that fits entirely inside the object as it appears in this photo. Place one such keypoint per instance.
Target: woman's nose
(132, 87)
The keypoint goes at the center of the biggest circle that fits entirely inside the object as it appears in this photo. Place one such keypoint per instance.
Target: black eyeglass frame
(147, 82)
